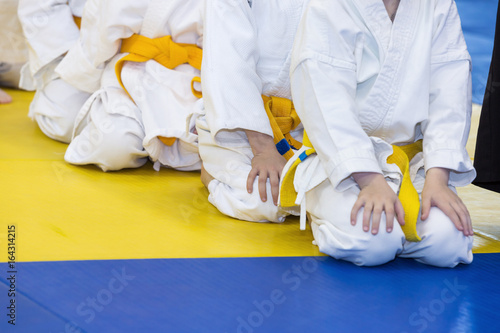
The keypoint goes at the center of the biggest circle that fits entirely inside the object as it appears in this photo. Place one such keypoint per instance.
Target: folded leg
(329, 212)
(228, 190)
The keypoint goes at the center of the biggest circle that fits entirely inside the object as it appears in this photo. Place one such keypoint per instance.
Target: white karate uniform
(361, 84)
(13, 48)
(164, 103)
(247, 55)
(50, 31)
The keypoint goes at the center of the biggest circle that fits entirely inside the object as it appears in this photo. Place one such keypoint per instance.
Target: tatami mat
(65, 212)
(80, 233)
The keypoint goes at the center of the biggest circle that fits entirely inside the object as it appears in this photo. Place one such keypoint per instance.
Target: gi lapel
(395, 40)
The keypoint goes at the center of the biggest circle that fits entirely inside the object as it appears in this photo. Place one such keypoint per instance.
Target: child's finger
(377, 215)
(275, 186)
(471, 229)
(263, 186)
(366, 216)
(464, 217)
(469, 222)
(468, 219)
(355, 209)
(389, 216)
(251, 179)
(426, 207)
(400, 212)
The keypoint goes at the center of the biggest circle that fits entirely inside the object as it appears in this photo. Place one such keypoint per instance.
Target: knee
(55, 108)
(59, 129)
(355, 245)
(238, 203)
(114, 143)
(443, 244)
(381, 248)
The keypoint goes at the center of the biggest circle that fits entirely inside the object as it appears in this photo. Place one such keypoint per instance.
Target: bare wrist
(259, 142)
(363, 179)
(438, 175)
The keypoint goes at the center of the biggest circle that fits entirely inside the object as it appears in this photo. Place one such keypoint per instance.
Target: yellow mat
(65, 212)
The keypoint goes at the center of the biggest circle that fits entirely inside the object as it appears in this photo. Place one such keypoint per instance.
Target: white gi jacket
(107, 23)
(163, 95)
(357, 75)
(50, 32)
(247, 54)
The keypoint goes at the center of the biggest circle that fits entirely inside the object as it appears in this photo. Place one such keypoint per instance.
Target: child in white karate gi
(144, 104)
(247, 55)
(51, 28)
(370, 77)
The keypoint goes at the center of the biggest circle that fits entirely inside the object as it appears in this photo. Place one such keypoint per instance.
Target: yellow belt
(402, 155)
(78, 21)
(164, 51)
(283, 119)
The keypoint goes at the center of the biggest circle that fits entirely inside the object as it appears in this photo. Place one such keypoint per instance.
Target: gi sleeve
(105, 23)
(50, 31)
(231, 86)
(447, 128)
(324, 81)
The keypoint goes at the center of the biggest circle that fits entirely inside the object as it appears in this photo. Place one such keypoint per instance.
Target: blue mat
(478, 22)
(245, 295)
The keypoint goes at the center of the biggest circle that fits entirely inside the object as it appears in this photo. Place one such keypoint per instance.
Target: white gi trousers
(329, 211)
(357, 76)
(248, 56)
(230, 167)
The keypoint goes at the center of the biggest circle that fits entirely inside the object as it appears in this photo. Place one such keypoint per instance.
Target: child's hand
(436, 193)
(376, 197)
(266, 163)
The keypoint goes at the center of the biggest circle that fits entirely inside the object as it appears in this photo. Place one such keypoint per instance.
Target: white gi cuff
(340, 174)
(233, 135)
(78, 71)
(456, 160)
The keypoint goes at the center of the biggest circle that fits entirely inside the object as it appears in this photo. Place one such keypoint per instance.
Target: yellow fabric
(306, 142)
(288, 195)
(283, 119)
(164, 51)
(402, 155)
(167, 141)
(78, 21)
(196, 93)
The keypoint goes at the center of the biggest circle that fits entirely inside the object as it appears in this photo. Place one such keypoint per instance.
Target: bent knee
(57, 128)
(240, 204)
(442, 243)
(359, 247)
(55, 108)
(113, 146)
